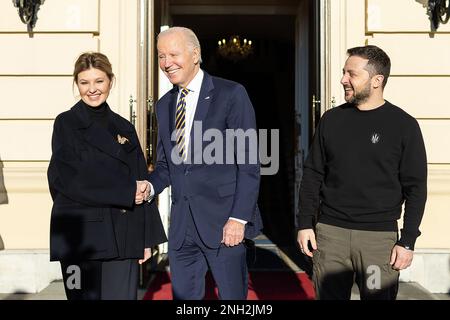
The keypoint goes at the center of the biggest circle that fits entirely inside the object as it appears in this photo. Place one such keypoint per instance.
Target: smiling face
(178, 60)
(94, 86)
(356, 80)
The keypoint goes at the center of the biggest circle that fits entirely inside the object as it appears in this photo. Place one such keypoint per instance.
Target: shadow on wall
(424, 3)
(3, 193)
(3, 196)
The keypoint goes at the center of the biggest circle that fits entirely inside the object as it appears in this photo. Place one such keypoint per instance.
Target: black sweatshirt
(362, 167)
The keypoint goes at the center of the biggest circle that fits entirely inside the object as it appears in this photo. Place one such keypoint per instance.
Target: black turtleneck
(101, 116)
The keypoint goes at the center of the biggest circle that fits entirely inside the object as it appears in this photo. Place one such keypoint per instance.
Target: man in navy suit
(214, 200)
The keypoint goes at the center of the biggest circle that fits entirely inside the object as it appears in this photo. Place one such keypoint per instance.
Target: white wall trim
(27, 271)
(431, 269)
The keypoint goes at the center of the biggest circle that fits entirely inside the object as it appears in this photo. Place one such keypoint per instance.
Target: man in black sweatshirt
(367, 160)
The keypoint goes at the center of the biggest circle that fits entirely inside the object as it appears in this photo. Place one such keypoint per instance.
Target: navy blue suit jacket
(213, 192)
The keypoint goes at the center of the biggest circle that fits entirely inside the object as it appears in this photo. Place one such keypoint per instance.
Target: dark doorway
(269, 77)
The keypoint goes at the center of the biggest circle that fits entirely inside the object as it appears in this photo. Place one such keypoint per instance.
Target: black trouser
(101, 280)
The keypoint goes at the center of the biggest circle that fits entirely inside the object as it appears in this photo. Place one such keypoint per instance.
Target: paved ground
(55, 291)
(267, 256)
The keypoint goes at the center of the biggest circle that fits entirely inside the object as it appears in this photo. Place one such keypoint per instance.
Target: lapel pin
(207, 98)
(121, 140)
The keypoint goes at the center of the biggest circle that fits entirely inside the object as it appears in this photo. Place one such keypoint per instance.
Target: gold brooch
(121, 140)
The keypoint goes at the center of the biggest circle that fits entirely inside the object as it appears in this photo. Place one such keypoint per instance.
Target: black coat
(92, 181)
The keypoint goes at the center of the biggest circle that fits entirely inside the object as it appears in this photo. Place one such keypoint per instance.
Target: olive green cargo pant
(344, 256)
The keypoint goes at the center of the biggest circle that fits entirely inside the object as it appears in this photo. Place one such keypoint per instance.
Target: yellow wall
(36, 85)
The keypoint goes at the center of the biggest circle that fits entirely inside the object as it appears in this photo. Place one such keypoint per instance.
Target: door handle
(333, 102)
(150, 127)
(131, 102)
(314, 102)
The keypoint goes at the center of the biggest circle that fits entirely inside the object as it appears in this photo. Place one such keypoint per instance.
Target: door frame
(310, 75)
(307, 35)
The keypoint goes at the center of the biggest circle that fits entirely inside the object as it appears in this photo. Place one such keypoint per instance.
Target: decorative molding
(232, 10)
(25, 177)
(439, 179)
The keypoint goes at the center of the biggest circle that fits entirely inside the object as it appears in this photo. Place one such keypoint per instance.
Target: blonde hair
(88, 60)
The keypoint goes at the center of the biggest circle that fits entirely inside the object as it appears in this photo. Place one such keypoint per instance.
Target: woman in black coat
(101, 229)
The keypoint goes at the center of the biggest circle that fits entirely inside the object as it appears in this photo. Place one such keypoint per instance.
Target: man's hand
(142, 191)
(147, 255)
(233, 233)
(303, 237)
(401, 258)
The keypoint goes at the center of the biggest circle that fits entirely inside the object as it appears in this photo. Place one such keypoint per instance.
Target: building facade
(36, 85)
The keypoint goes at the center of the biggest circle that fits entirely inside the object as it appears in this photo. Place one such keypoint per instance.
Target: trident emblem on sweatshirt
(375, 138)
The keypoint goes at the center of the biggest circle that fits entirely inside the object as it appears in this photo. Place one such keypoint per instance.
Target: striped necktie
(180, 123)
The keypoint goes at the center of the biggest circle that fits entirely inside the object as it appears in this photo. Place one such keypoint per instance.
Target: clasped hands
(143, 189)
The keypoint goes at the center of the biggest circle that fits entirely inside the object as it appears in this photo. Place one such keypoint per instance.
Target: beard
(360, 97)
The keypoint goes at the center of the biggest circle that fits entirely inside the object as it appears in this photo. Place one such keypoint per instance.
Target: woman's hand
(142, 191)
(147, 255)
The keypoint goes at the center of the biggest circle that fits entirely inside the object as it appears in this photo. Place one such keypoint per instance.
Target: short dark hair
(379, 62)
